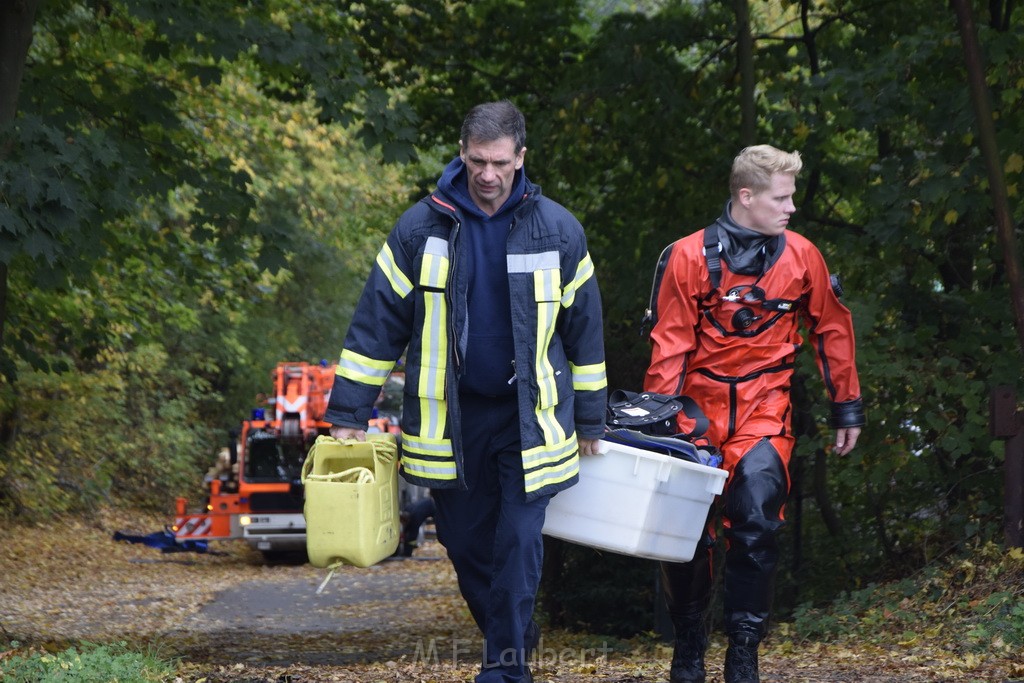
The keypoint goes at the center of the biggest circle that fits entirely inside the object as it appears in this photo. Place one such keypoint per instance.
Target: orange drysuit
(732, 349)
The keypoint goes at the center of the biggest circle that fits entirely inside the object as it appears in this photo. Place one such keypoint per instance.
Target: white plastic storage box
(636, 502)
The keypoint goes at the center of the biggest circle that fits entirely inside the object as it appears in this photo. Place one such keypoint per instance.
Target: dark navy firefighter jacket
(415, 301)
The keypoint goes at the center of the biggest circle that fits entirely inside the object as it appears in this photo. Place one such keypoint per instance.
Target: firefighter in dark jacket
(727, 310)
(489, 289)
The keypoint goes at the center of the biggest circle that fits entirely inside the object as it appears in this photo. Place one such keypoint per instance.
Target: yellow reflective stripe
(429, 473)
(549, 476)
(433, 417)
(434, 267)
(588, 377)
(438, 461)
(430, 469)
(433, 346)
(434, 272)
(545, 283)
(399, 282)
(425, 445)
(363, 369)
(546, 454)
(547, 465)
(553, 431)
(584, 271)
(433, 340)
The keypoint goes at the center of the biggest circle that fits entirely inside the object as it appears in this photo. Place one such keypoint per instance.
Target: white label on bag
(635, 412)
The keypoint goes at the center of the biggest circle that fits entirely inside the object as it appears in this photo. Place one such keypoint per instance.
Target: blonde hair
(754, 166)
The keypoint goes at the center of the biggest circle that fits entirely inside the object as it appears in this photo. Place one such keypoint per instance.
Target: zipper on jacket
(511, 227)
(450, 295)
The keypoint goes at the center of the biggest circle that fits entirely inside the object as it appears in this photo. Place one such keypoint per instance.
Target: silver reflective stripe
(428, 458)
(433, 339)
(588, 377)
(547, 285)
(360, 368)
(444, 472)
(436, 246)
(551, 464)
(545, 294)
(527, 263)
(545, 291)
(549, 454)
(412, 443)
(433, 417)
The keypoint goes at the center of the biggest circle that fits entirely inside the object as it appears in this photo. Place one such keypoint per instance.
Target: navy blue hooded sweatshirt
(488, 368)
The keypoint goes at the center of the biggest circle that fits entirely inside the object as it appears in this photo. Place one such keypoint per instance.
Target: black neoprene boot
(741, 659)
(687, 589)
(688, 654)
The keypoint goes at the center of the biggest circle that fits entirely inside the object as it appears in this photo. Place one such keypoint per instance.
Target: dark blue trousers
(493, 536)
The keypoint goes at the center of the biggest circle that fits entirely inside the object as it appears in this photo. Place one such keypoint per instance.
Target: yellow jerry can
(351, 505)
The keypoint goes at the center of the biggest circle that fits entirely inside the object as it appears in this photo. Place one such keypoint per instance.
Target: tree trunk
(990, 152)
(827, 511)
(745, 64)
(16, 20)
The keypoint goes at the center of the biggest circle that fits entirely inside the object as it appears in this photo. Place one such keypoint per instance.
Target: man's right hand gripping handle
(342, 433)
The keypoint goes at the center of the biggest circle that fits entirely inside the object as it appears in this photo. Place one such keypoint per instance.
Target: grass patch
(87, 663)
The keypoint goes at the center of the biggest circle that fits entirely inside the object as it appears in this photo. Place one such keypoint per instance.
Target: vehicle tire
(285, 557)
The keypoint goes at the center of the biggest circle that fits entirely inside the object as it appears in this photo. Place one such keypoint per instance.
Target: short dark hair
(492, 121)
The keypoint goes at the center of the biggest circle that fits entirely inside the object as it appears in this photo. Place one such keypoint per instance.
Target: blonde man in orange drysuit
(726, 334)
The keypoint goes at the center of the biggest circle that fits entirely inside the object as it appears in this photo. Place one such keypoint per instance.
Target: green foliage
(972, 600)
(105, 127)
(448, 55)
(128, 433)
(301, 46)
(328, 202)
(89, 663)
(99, 130)
(908, 223)
(165, 312)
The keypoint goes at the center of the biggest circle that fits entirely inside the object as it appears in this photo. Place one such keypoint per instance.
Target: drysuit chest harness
(750, 302)
(753, 312)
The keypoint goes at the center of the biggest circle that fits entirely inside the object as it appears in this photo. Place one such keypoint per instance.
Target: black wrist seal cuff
(848, 414)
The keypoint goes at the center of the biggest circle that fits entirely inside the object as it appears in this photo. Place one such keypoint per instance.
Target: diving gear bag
(654, 414)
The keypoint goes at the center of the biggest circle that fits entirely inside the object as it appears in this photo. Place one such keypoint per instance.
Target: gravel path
(393, 610)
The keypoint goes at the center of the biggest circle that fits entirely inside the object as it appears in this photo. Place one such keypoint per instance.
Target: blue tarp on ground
(165, 541)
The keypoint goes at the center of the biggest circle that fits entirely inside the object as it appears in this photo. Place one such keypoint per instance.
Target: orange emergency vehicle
(255, 492)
